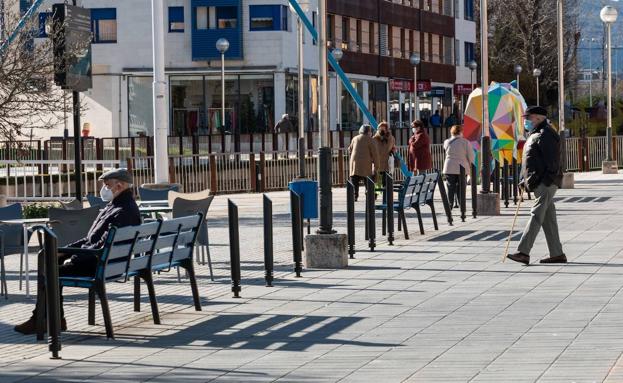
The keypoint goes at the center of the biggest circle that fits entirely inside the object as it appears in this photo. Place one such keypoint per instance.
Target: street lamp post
(485, 146)
(518, 70)
(160, 91)
(609, 15)
(415, 61)
(473, 65)
(337, 55)
(222, 45)
(301, 84)
(537, 74)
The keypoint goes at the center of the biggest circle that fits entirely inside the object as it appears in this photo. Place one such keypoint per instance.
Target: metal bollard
(370, 213)
(51, 303)
(515, 181)
(258, 178)
(505, 185)
(444, 199)
(474, 186)
(462, 190)
(297, 231)
(496, 177)
(389, 201)
(268, 241)
(350, 216)
(234, 247)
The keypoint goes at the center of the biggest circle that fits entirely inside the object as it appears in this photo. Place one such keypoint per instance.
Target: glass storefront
(140, 106)
(310, 102)
(196, 103)
(377, 94)
(352, 117)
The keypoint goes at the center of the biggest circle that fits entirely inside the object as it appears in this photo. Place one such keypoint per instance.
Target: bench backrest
(176, 241)
(130, 244)
(431, 179)
(412, 190)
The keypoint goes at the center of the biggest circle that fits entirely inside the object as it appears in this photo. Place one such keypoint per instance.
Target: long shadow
(589, 182)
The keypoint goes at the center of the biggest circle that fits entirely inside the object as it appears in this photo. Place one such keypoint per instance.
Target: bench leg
(384, 230)
(91, 316)
(432, 209)
(399, 221)
(101, 292)
(149, 281)
(188, 266)
(419, 218)
(207, 250)
(403, 217)
(137, 294)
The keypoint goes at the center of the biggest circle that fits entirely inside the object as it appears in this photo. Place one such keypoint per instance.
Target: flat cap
(539, 110)
(120, 174)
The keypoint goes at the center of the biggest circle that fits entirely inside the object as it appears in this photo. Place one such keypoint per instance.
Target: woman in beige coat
(459, 152)
(364, 157)
(385, 146)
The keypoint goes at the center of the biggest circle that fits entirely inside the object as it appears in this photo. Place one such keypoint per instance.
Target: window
(43, 18)
(201, 15)
(359, 36)
(104, 25)
(469, 53)
(268, 18)
(384, 48)
(176, 19)
(227, 17)
(345, 30)
(469, 10)
(373, 39)
(330, 30)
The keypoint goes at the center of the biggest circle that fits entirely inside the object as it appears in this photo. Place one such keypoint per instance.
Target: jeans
(543, 214)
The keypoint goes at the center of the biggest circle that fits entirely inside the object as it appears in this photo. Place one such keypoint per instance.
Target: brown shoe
(558, 259)
(30, 326)
(519, 257)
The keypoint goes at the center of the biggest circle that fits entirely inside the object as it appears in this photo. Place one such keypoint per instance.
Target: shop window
(469, 53)
(268, 18)
(227, 17)
(176, 19)
(104, 25)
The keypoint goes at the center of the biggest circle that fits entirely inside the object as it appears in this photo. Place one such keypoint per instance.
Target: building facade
(377, 37)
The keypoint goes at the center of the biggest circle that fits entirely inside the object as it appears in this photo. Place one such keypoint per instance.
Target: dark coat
(121, 211)
(419, 151)
(284, 126)
(541, 160)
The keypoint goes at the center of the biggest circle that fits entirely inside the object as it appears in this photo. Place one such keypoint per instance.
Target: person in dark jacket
(420, 158)
(542, 174)
(120, 211)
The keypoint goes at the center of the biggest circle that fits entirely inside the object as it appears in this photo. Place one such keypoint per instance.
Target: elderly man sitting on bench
(121, 211)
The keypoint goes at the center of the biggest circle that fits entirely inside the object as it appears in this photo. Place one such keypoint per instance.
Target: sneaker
(30, 326)
(519, 257)
(558, 259)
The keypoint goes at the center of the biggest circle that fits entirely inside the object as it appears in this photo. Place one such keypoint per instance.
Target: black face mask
(382, 132)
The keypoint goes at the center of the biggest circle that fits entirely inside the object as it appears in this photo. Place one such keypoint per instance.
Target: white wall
(465, 31)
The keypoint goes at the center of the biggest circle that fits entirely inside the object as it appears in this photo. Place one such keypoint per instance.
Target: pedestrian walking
(542, 174)
(435, 120)
(459, 152)
(419, 159)
(385, 146)
(364, 157)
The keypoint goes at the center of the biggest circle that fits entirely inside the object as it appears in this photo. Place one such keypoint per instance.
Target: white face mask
(414, 130)
(106, 194)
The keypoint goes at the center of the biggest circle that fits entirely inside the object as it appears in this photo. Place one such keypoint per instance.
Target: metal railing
(49, 179)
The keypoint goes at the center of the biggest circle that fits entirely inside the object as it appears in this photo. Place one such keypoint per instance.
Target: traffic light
(70, 30)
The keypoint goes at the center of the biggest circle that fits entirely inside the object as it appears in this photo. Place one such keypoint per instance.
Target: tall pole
(324, 152)
(484, 70)
(77, 140)
(223, 121)
(415, 95)
(609, 127)
(538, 81)
(590, 66)
(561, 83)
(161, 118)
(302, 120)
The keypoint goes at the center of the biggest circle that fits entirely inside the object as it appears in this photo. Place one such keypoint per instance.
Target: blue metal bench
(426, 197)
(409, 190)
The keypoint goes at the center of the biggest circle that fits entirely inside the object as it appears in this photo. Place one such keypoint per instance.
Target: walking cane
(510, 235)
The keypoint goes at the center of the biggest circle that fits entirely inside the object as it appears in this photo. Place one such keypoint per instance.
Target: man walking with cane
(542, 174)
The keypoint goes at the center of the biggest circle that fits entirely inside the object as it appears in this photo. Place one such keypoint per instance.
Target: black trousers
(453, 189)
(356, 180)
(68, 264)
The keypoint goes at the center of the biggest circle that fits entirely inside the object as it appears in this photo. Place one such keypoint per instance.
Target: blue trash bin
(308, 190)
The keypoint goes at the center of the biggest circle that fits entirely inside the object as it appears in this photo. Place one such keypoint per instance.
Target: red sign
(462, 89)
(407, 85)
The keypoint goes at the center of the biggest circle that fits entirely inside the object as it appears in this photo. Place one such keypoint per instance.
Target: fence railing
(40, 180)
(232, 172)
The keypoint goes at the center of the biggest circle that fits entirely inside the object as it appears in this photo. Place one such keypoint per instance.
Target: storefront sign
(407, 85)
(462, 89)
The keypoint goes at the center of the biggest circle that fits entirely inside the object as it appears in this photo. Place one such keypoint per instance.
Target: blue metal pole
(20, 25)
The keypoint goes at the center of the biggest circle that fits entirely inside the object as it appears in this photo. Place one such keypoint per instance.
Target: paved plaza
(442, 307)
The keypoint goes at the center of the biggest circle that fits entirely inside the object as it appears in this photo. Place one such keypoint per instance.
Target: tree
(29, 99)
(525, 33)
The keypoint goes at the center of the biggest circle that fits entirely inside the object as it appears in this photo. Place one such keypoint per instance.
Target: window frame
(177, 9)
(95, 24)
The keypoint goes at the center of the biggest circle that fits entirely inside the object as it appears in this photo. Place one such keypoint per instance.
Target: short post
(444, 199)
(474, 185)
(297, 230)
(462, 190)
(350, 216)
(370, 198)
(496, 177)
(389, 201)
(505, 184)
(515, 181)
(234, 248)
(268, 241)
